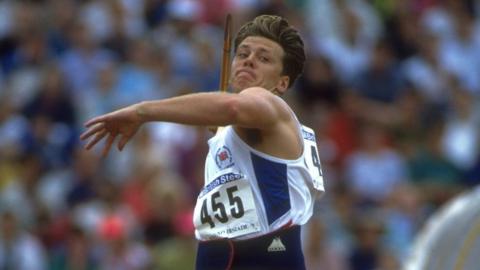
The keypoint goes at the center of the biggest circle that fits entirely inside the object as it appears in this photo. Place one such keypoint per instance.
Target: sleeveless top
(248, 193)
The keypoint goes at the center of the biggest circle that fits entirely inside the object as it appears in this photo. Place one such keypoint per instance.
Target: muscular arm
(252, 108)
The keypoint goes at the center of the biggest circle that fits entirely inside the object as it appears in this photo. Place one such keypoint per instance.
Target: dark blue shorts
(279, 250)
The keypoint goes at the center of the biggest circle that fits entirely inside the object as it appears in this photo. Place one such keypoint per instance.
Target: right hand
(124, 123)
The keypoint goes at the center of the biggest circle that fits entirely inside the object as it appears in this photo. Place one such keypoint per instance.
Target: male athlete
(262, 171)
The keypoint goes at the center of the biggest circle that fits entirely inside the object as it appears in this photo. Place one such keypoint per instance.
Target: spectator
(375, 169)
(18, 248)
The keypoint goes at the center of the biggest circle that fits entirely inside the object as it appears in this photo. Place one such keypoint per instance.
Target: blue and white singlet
(248, 193)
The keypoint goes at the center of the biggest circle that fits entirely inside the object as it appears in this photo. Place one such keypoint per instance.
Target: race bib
(312, 159)
(225, 208)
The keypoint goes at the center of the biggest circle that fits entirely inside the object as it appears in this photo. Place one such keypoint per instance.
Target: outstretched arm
(252, 108)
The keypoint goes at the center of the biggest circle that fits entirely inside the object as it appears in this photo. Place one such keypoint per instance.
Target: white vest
(248, 193)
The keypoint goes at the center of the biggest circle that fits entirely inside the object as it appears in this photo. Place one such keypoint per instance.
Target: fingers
(123, 141)
(92, 131)
(110, 139)
(96, 120)
(96, 139)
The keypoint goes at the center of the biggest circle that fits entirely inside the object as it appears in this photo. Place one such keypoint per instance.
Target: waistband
(258, 239)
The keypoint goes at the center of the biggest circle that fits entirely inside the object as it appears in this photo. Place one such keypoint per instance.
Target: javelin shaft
(227, 44)
(225, 68)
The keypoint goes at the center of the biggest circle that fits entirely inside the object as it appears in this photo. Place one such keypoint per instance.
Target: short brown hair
(279, 30)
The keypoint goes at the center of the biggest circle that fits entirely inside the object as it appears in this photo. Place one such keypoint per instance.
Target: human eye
(242, 54)
(264, 59)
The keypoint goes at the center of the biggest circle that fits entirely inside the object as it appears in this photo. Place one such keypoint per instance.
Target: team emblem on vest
(223, 157)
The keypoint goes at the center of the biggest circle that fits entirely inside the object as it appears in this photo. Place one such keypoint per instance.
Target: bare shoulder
(279, 107)
(273, 139)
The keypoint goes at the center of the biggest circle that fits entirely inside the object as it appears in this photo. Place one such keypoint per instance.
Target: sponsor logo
(221, 180)
(223, 158)
(276, 245)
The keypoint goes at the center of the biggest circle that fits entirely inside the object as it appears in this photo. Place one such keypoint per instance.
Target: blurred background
(391, 88)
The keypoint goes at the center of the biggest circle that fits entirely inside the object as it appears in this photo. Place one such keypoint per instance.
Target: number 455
(220, 213)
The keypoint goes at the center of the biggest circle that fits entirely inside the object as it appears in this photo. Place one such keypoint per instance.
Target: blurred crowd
(392, 89)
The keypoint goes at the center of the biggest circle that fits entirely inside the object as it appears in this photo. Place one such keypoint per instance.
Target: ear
(282, 84)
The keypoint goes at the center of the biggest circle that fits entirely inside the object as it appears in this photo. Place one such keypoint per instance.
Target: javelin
(227, 44)
(225, 71)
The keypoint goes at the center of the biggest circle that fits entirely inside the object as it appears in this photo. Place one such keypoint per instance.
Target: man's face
(258, 62)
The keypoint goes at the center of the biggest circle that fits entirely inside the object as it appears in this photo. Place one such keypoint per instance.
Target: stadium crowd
(392, 89)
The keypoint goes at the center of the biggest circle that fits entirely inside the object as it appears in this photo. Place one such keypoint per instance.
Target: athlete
(262, 171)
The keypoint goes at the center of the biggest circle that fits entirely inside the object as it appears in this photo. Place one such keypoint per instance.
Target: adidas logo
(276, 245)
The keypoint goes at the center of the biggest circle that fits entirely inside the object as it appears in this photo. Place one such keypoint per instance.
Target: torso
(273, 177)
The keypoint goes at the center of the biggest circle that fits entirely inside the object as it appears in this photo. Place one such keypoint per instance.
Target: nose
(249, 61)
